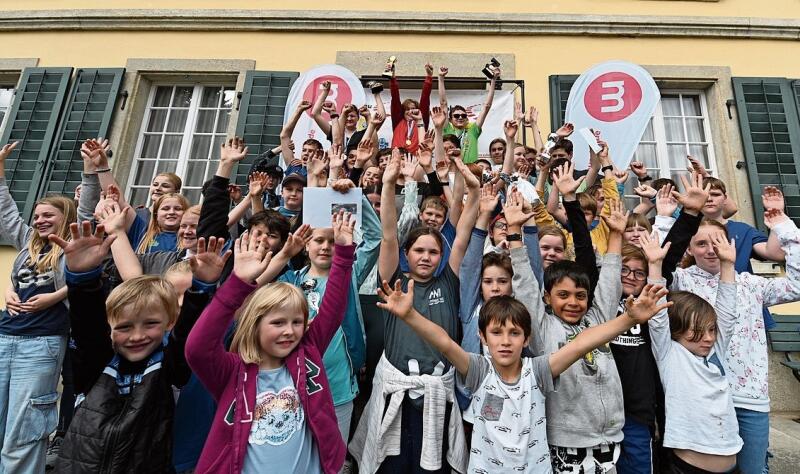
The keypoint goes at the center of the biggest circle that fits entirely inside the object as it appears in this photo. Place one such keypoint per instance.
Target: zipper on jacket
(111, 441)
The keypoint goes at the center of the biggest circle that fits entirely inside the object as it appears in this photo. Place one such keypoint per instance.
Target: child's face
(136, 334)
(569, 302)
(169, 214)
(495, 281)
(633, 234)
(320, 248)
(713, 207)
(551, 248)
(292, 193)
(279, 332)
(499, 230)
(589, 215)
(505, 342)
(600, 199)
(273, 237)
(423, 257)
(187, 232)
(432, 217)
(631, 284)
(702, 347)
(701, 249)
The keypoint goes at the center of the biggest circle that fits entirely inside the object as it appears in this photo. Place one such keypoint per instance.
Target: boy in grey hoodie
(586, 415)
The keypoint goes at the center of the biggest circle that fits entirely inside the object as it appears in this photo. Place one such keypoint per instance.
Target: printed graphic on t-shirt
(632, 337)
(276, 417)
(435, 297)
(27, 278)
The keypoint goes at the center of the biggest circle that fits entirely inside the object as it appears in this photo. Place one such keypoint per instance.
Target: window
(181, 133)
(6, 101)
(679, 127)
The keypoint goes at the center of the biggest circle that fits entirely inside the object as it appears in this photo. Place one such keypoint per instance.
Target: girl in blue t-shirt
(160, 234)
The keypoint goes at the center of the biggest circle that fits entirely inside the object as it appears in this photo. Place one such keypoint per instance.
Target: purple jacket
(233, 384)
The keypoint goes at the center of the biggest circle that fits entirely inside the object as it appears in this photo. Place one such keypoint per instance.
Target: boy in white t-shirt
(507, 408)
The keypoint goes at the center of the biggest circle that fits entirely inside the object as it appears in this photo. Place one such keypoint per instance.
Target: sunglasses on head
(459, 116)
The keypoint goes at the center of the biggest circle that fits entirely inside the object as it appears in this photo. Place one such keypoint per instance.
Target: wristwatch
(645, 178)
(607, 167)
(514, 238)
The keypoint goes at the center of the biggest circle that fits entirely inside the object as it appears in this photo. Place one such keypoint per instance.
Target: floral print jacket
(746, 359)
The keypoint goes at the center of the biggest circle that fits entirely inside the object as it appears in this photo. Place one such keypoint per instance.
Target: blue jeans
(29, 371)
(637, 448)
(754, 430)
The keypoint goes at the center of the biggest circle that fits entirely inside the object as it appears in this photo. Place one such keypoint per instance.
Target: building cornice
(350, 21)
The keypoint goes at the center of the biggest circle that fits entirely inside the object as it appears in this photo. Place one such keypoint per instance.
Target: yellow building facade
(714, 61)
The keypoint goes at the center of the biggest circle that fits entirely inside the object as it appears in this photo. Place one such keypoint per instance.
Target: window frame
(188, 133)
(13, 88)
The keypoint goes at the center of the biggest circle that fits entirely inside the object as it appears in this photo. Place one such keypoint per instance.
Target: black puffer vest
(115, 433)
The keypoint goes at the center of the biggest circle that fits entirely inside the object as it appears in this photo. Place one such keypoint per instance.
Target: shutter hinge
(728, 104)
(124, 95)
(238, 100)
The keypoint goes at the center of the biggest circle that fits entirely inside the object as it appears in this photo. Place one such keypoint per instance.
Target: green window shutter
(261, 114)
(87, 114)
(768, 119)
(32, 121)
(560, 86)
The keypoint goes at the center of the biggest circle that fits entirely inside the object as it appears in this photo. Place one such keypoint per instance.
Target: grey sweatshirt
(587, 409)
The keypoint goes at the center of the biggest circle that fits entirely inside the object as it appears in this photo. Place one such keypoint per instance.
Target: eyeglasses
(459, 116)
(501, 226)
(638, 275)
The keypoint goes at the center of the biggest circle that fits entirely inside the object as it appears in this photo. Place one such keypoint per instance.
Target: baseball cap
(294, 177)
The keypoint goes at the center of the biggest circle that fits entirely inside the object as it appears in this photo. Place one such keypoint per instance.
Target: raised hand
(510, 127)
(618, 220)
(335, 158)
(208, 262)
(638, 169)
(296, 242)
(424, 155)
(652, 248)
(620, 176)
(343, 185)
(439, 117)
(416, 115)
(532, 117)
(86, 250)
(364, 152)
(317, 164)
(565, 130)
(251, 257)
(470, 179)
(443, 71)
(696, 167)
(564, 181)
(113, 218)
(666, 205)
(524, 172)
(343, 224)
(364, 112)
(6, 150)
(409, 166)
(392, 171)
(428, 69)
(377, 120)
(394, 300)
(329, 107)
(113, 193)
(513, 210)
(95, 151)
(303, 105)
(772, 198)
(489, 199)
(695, 195)
(645, 306)
(724, 248)
(773, 217)
(646, 191)
(232, 151)
(602, 155)
(519, 115)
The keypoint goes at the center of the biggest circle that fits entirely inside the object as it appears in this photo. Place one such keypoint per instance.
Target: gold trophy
(389, 71)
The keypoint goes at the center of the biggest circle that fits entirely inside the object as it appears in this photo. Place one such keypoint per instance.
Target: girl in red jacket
(274, 405)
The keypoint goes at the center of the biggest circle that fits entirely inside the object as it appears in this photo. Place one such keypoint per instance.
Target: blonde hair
(266, 299)
(153, 229)
(173, 178)
(182, 266)
(37, 243)
(140, 293)
(192, 210)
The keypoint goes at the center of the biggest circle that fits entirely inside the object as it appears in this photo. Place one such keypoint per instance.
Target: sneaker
(52, 452)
